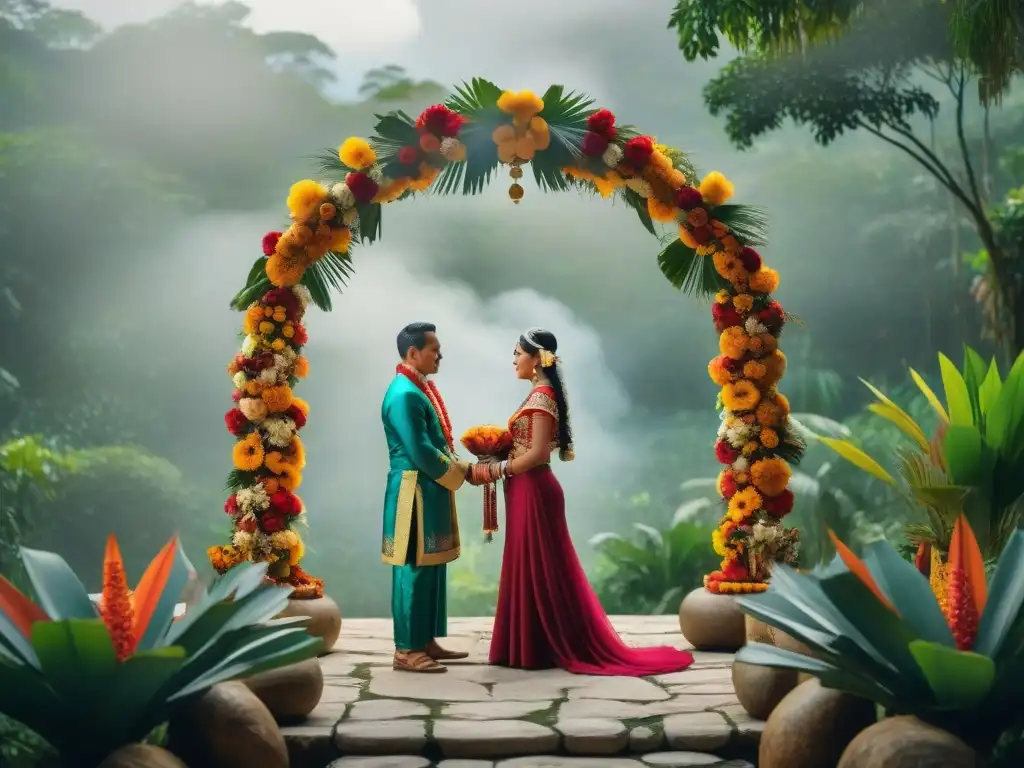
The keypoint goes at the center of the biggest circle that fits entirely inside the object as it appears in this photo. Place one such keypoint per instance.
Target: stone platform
(479, 716)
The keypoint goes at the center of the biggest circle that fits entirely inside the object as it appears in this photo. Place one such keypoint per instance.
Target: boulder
(228, 727)
(141, 756)
(324, 618)
(812, 726)
(760, 689)
(906, 742)
(290, 693)
(711, 622)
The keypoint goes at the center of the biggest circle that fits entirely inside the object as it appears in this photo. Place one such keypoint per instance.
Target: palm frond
(256, 284)
(394, 130)
(692, 274)
(369, 224)
(330, 166)
(477, 101)
(749, 223)
(638, 204)
(237, 479)
(681, 162)
(566, 115)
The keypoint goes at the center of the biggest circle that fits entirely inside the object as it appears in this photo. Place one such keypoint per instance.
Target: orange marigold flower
(291, 478)
(770, 476)
(270, 485)
(302, 405)
(744, 302)
(697, 217)
(659, 211)
(765, 280)
(285, 271)
(782, 402)
(775, 367)
(768, 343)
(769, 437)
(253, 318)
(296, 452)
(743, 504)
(718, 372)
(729, 267)
(248, 453)
(740, 396)
(328, 211)
(278, 399)
(767, 414)
(301, 366)
(754, 370)
(732, 342)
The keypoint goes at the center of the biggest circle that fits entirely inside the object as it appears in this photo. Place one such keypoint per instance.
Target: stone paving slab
(479, 716)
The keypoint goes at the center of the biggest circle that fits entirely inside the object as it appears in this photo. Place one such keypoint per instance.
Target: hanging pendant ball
(516, 193)
(516, 172)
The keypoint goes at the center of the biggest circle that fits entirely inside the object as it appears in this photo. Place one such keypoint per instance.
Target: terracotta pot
(812, 726)
(906, 742)
(290, 693)
(760, 689)
(324, 615)
(711, 622)
(141, 756)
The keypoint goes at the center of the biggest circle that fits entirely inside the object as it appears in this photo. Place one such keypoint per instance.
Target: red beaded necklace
(429, 389)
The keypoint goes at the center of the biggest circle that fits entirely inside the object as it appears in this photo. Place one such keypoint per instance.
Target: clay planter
(812, 726)
(141, 756)
(711, 622)
(228, 727)
(761, 689)
(324, 615)
(290, 693)
(906, 742)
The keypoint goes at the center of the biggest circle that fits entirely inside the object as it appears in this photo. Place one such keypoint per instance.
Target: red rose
(732, 366)
(236, 422)
(408, 155)
(772, 316)
(231, 505)
(295, 414)
(594, 144)
(440, 121)
(728, 485)
(688, 198)
(363, 188)
(638, 151)
(734, 570)
(236, 395)
(300, 337)
(285, 502)
(725, 316)
(725, 453)
(751, 259)
(778, 506)
(602, 123)
(272, 522)
(270, 242)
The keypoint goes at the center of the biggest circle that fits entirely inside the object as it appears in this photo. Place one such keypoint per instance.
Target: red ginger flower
(440, 121)
(967, 586)
(270, 242)
(116, 608)
(602, 123)
(638, 151)
(363, 188)
(593, 144)
(688, 198)
(963, 614)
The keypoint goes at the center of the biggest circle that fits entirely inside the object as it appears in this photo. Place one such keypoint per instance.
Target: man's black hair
(414, 336)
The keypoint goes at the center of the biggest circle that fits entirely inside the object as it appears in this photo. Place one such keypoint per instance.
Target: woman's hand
(483, 473)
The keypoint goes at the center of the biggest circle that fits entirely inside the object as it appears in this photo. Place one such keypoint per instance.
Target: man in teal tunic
(421, 529)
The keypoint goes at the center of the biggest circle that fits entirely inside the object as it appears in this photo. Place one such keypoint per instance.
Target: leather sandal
(416, 661)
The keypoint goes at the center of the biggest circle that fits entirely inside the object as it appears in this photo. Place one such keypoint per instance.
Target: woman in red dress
(548, 615)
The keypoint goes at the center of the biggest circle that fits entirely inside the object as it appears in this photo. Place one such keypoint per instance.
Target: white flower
(249, 345)
(349, 217)
(738, 434)
(612, 156)
(376, 174)
(741, 464)
(239, 380)
(270, 375)
(302, 294)
(753, 327)
(278, 430)
(342, 196)
(253, 499)
(243, 541)
(450, 148)
(641, 186)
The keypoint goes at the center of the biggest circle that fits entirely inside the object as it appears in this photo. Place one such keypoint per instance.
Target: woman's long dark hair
(532, 342)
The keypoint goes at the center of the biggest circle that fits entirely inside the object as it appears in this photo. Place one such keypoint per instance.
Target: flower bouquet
(489, 443)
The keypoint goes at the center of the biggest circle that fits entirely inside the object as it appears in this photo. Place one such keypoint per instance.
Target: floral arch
(457, 147)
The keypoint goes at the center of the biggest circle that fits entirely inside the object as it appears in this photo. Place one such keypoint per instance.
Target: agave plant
(875, 629)
(975, 460)
(91, 678)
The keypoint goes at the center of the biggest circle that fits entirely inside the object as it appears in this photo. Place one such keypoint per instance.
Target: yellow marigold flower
(253, 317)
(520, 103)
(297, 452)
(743, 504)
(744, 302)
(753, 370)
(280, 315)
(285, 270)
(770, 476)
(722, 297)
(659, 211)
(750, 448)
(276, 462)
(732, 342)
(304, 196)
(428, 174)
(291, 478)
(729, 267)
(248, 453)
(301, 367)
(716, 189)
(357, 153)
(769, 437)
(277, 345)
(775, 367)
(741, 395)
(266, 327)
(288, 330)
(765, 280)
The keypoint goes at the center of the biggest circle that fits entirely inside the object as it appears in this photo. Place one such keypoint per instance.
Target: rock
(290, 693)
(141, 756)
(593, 736)
(906, 742)
(698, 731)
(811, 727)
(683, 760)
(228, 727)
(500, 738)
(553, 761)
(494, 710)
(394, 761)
(391, 684)
(465, 764)
(760, 689)
(386, 709)
(644, 739)
(324, 618)
(712, 622)
(619, 689)
(381, 737)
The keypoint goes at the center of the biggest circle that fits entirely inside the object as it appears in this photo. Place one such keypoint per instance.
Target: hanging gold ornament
(516, 172)
(516, 193)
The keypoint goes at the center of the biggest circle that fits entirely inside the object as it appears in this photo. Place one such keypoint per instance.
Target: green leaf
(909, 592)
(1005, 600)
(988, 393)
(968, 459)
(958, 679)
(638, 204)
(929, 395)
(749, 223)
(369, 222)
(858, 458)
(133, 698)
(1006, 420)
(692, 274)
(60, 594)
(974, 374)
(319, 290)
(958, 399)
(76, 656)
(891, 412)
(26, 697)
